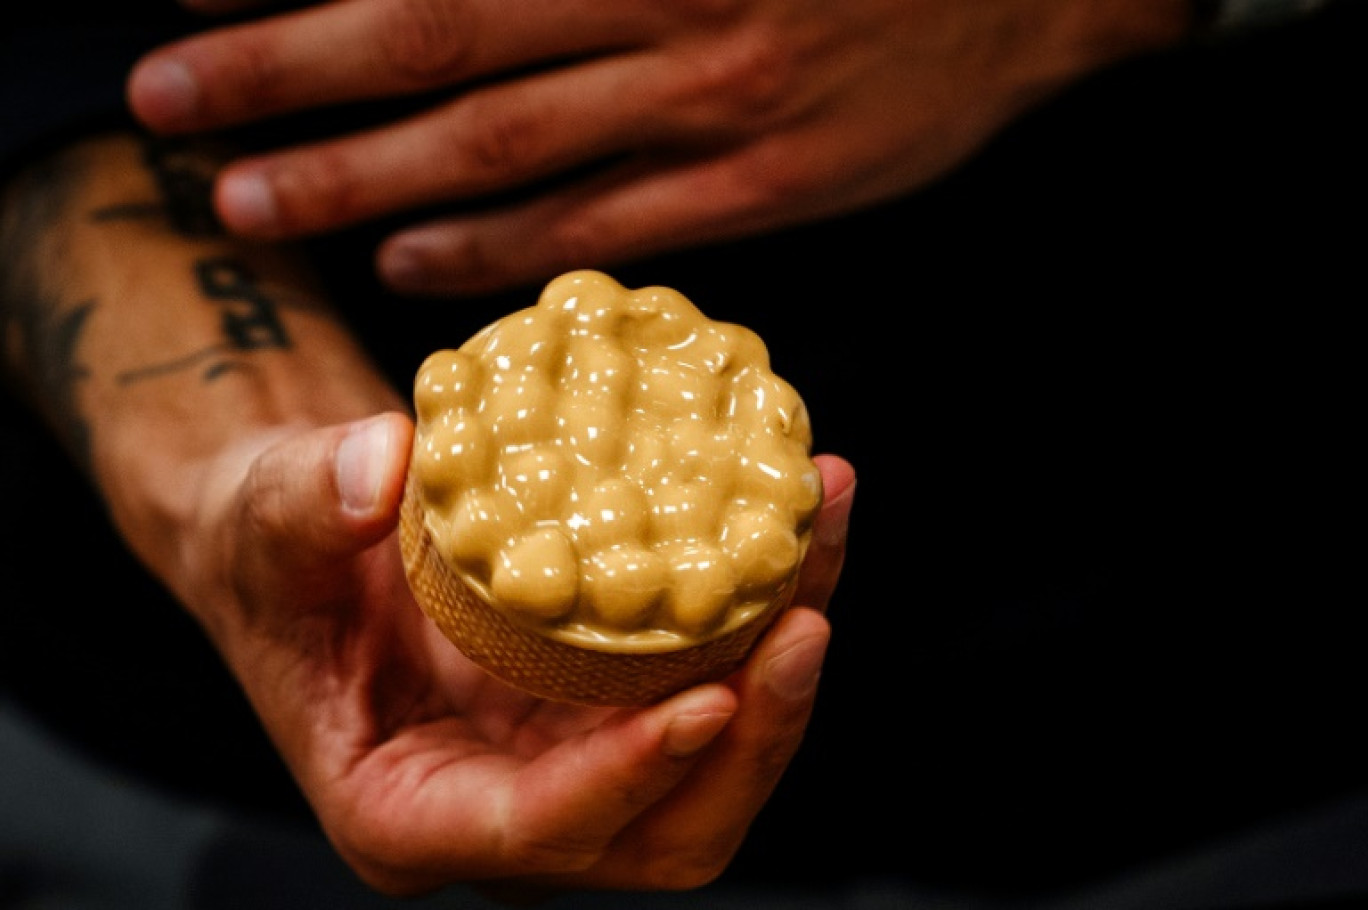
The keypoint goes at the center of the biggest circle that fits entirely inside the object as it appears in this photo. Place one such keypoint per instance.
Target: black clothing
(1098, 605)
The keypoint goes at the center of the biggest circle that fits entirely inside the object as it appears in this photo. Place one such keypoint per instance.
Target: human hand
(696, 122)
(422, 769)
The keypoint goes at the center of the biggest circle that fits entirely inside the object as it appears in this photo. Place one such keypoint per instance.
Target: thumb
(328, 494)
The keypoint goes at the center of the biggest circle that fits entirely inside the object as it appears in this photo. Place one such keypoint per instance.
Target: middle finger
(481, 143)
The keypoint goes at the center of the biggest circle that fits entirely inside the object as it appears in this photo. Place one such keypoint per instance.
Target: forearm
(152, 343)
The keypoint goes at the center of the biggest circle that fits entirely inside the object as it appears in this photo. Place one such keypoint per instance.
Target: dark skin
(182, 369)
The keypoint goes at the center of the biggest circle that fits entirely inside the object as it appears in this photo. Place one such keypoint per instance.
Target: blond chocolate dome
(609, 494)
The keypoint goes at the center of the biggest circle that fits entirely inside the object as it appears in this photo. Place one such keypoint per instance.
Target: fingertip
(369, 465)
(839, 482)
(246, 202)
(451, 257)
(838, 475)
(424, 261)
(401, 264)
(791, 665)
(163, 93)
(698, 716)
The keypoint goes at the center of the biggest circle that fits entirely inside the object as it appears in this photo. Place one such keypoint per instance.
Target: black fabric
(1099, 386)
(62, 67)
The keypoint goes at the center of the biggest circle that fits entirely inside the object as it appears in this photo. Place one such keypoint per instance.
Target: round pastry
(609, 494)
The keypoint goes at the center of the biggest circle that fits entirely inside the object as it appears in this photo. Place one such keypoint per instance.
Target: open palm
(423, 769)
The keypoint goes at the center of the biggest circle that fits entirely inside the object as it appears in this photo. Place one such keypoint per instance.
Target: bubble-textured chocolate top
(614, 469)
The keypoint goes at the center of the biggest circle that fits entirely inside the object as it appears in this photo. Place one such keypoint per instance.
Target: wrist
(156, 347)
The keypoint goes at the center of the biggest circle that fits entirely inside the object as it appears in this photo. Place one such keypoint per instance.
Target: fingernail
(166, 92)
(689, 733)
(362, 462)
(793, 674)
(401, 265)
(247, 201)
(833, 532)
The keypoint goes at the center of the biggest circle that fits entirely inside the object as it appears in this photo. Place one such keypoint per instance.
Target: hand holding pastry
(254, 459)
(424, 769)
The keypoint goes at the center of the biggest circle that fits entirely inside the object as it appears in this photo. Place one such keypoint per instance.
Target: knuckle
(325, 192)
(265, 512)
(552, 855)
(745, 82)
(504, 142)
(471, 263)
(468, 263)
(758, 72)
(685, 867)
(426, 41)
(258, 77)
(772, 182)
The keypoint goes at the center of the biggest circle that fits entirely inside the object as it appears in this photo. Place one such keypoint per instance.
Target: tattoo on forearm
(44, 316)
(184, 175)
(250, 319)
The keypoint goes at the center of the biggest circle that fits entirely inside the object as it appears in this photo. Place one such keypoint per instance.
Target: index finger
(355, 50)
(691, 835)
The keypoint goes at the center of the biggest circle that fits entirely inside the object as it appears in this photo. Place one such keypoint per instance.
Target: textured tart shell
(553, 669)
(610, 495)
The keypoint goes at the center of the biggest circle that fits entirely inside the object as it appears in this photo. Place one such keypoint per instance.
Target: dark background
(1105, 564)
